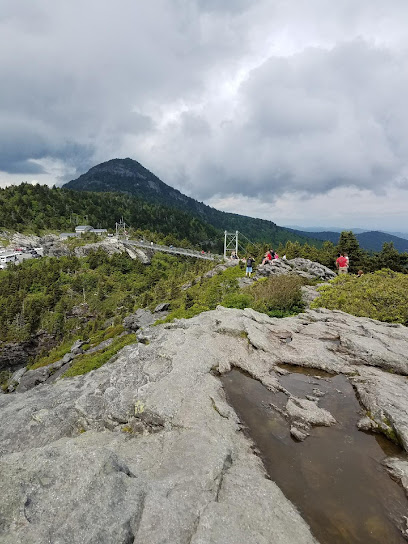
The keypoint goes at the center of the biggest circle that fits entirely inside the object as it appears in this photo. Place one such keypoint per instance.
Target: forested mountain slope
(130, 177)
(36, 208)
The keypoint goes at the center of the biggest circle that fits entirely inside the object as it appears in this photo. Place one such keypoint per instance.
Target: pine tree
(348, 243)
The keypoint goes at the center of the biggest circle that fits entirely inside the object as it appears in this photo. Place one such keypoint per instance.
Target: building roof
(83, 227)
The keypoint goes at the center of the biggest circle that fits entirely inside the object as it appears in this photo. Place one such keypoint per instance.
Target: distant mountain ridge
(311, 230)
(130, 177)
(371, 240)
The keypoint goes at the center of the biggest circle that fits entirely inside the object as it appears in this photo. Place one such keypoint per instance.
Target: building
(81, 229)
(99, 232)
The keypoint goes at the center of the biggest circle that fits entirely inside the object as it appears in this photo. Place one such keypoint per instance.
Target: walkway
(174, 250)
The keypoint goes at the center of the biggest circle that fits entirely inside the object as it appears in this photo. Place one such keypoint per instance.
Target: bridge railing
(176, 250)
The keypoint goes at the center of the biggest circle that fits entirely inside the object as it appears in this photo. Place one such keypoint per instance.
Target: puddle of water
(334, 477)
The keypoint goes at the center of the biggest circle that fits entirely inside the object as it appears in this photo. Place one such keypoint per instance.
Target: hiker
(269, 256)
(276, 256)
(249, 262)
(341, 264)
(360, 273)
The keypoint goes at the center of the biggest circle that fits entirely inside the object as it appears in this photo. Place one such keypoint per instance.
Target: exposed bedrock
(146, 449)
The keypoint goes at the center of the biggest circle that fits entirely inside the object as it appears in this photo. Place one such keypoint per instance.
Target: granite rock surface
(147, 449)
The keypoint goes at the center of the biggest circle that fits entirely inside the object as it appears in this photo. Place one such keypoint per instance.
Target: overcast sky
(290, 110)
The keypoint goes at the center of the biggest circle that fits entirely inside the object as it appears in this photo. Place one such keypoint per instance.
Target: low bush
(382, 295)
(278, 294)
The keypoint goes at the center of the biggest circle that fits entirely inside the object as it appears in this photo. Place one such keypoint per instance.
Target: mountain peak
(130, 177)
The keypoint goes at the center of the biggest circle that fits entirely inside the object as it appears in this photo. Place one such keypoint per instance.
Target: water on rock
(335, 476)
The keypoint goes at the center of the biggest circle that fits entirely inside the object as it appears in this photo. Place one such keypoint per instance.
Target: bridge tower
(230, 242)
(121, 228)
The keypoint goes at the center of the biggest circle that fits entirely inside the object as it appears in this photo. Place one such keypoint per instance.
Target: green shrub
(85, 363)
(102, 335)
(54, 355)
(278, 294)
(382, 295)
(238, 300)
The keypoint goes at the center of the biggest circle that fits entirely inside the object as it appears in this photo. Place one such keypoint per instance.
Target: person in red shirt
(342, 264)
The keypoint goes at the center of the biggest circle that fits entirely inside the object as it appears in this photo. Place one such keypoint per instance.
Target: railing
(175, 250)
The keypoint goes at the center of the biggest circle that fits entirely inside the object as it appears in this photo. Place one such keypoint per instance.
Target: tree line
(327, 254)
(39, 208)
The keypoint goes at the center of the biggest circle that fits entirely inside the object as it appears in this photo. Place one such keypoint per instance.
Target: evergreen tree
(348, 243)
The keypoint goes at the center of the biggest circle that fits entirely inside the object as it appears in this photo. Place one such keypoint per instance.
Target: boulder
(163, 307)
(76, 348)
(141, 318)
(313, 269)
(15, 379)
(309, 294)
(308, 412)
(32, 378)
(301, 267)
(81, 310)
(275, 267)
(67, 358)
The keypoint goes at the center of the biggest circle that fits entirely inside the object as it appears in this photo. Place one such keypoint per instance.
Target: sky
(290, 110)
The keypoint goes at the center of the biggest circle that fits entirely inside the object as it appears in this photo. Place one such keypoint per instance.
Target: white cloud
(261, 98)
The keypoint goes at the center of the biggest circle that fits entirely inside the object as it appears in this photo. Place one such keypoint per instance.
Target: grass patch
(54, 355)
(382, 295)
(110, 332)
(85, 363)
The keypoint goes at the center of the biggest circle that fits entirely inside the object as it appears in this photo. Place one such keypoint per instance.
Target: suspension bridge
(232, 245)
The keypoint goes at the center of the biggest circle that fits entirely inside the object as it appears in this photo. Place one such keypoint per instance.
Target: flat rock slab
(309, 412)
(146, 448)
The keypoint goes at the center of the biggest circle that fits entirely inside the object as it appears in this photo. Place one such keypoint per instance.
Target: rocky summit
(147, 449)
